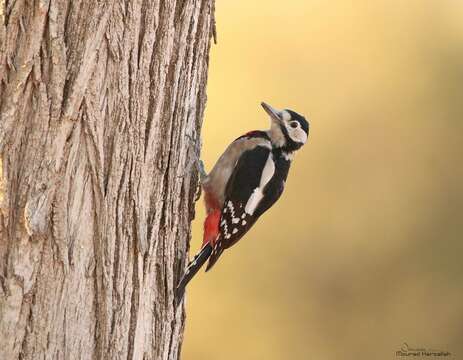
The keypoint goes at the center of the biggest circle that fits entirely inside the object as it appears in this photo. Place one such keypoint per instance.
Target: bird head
(289, 130)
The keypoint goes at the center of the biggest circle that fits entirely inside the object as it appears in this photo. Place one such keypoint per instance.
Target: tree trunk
(100, 102)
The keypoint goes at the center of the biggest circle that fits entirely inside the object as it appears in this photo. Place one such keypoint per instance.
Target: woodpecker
(246, 181)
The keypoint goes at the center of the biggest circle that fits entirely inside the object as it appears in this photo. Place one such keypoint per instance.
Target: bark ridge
(99, 103)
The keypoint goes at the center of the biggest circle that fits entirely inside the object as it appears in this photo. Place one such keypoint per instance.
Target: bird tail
(214, 256)
(193, 267)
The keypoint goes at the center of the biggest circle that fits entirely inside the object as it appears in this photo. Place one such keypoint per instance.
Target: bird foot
(195, 159)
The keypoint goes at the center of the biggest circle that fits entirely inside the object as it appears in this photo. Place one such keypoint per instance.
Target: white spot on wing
(254, 201)
(235, 230)
(232, 209)
(257, 195)
(225, 227)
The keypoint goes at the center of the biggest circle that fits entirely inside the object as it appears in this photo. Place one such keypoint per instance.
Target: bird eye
(294, 124)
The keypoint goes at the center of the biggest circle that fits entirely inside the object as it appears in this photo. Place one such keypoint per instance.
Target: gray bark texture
(100, 103)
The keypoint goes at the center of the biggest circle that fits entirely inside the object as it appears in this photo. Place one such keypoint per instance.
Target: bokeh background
(364, 250)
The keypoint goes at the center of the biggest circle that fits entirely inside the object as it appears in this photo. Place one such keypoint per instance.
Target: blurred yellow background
(363, 252)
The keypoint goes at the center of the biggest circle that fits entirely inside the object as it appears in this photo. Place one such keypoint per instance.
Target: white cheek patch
(299, 135)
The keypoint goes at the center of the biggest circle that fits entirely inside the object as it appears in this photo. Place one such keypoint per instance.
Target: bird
(248, 178)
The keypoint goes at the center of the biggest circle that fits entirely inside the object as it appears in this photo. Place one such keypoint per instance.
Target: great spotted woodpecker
(245, 182)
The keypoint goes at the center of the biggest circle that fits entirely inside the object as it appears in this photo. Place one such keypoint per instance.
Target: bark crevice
(97, 189)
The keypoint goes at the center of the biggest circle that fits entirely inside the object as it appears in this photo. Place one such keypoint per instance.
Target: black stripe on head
(299, 118)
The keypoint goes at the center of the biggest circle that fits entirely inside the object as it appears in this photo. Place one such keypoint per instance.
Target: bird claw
(194, 149)
(202, 176)
(201, 170)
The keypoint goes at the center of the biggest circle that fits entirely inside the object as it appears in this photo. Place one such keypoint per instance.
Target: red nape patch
(253, 133)
(211, 227)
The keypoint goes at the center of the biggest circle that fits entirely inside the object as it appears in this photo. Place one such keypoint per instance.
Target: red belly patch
(211, 227)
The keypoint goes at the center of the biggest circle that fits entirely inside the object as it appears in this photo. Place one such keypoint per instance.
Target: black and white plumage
(255, 185)
(245, 182)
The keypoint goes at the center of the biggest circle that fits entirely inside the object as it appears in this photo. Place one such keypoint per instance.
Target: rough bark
(99, 104)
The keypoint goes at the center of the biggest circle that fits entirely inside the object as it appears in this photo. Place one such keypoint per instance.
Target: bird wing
(243, 194)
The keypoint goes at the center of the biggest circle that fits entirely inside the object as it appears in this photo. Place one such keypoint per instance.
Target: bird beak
(274, 113)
